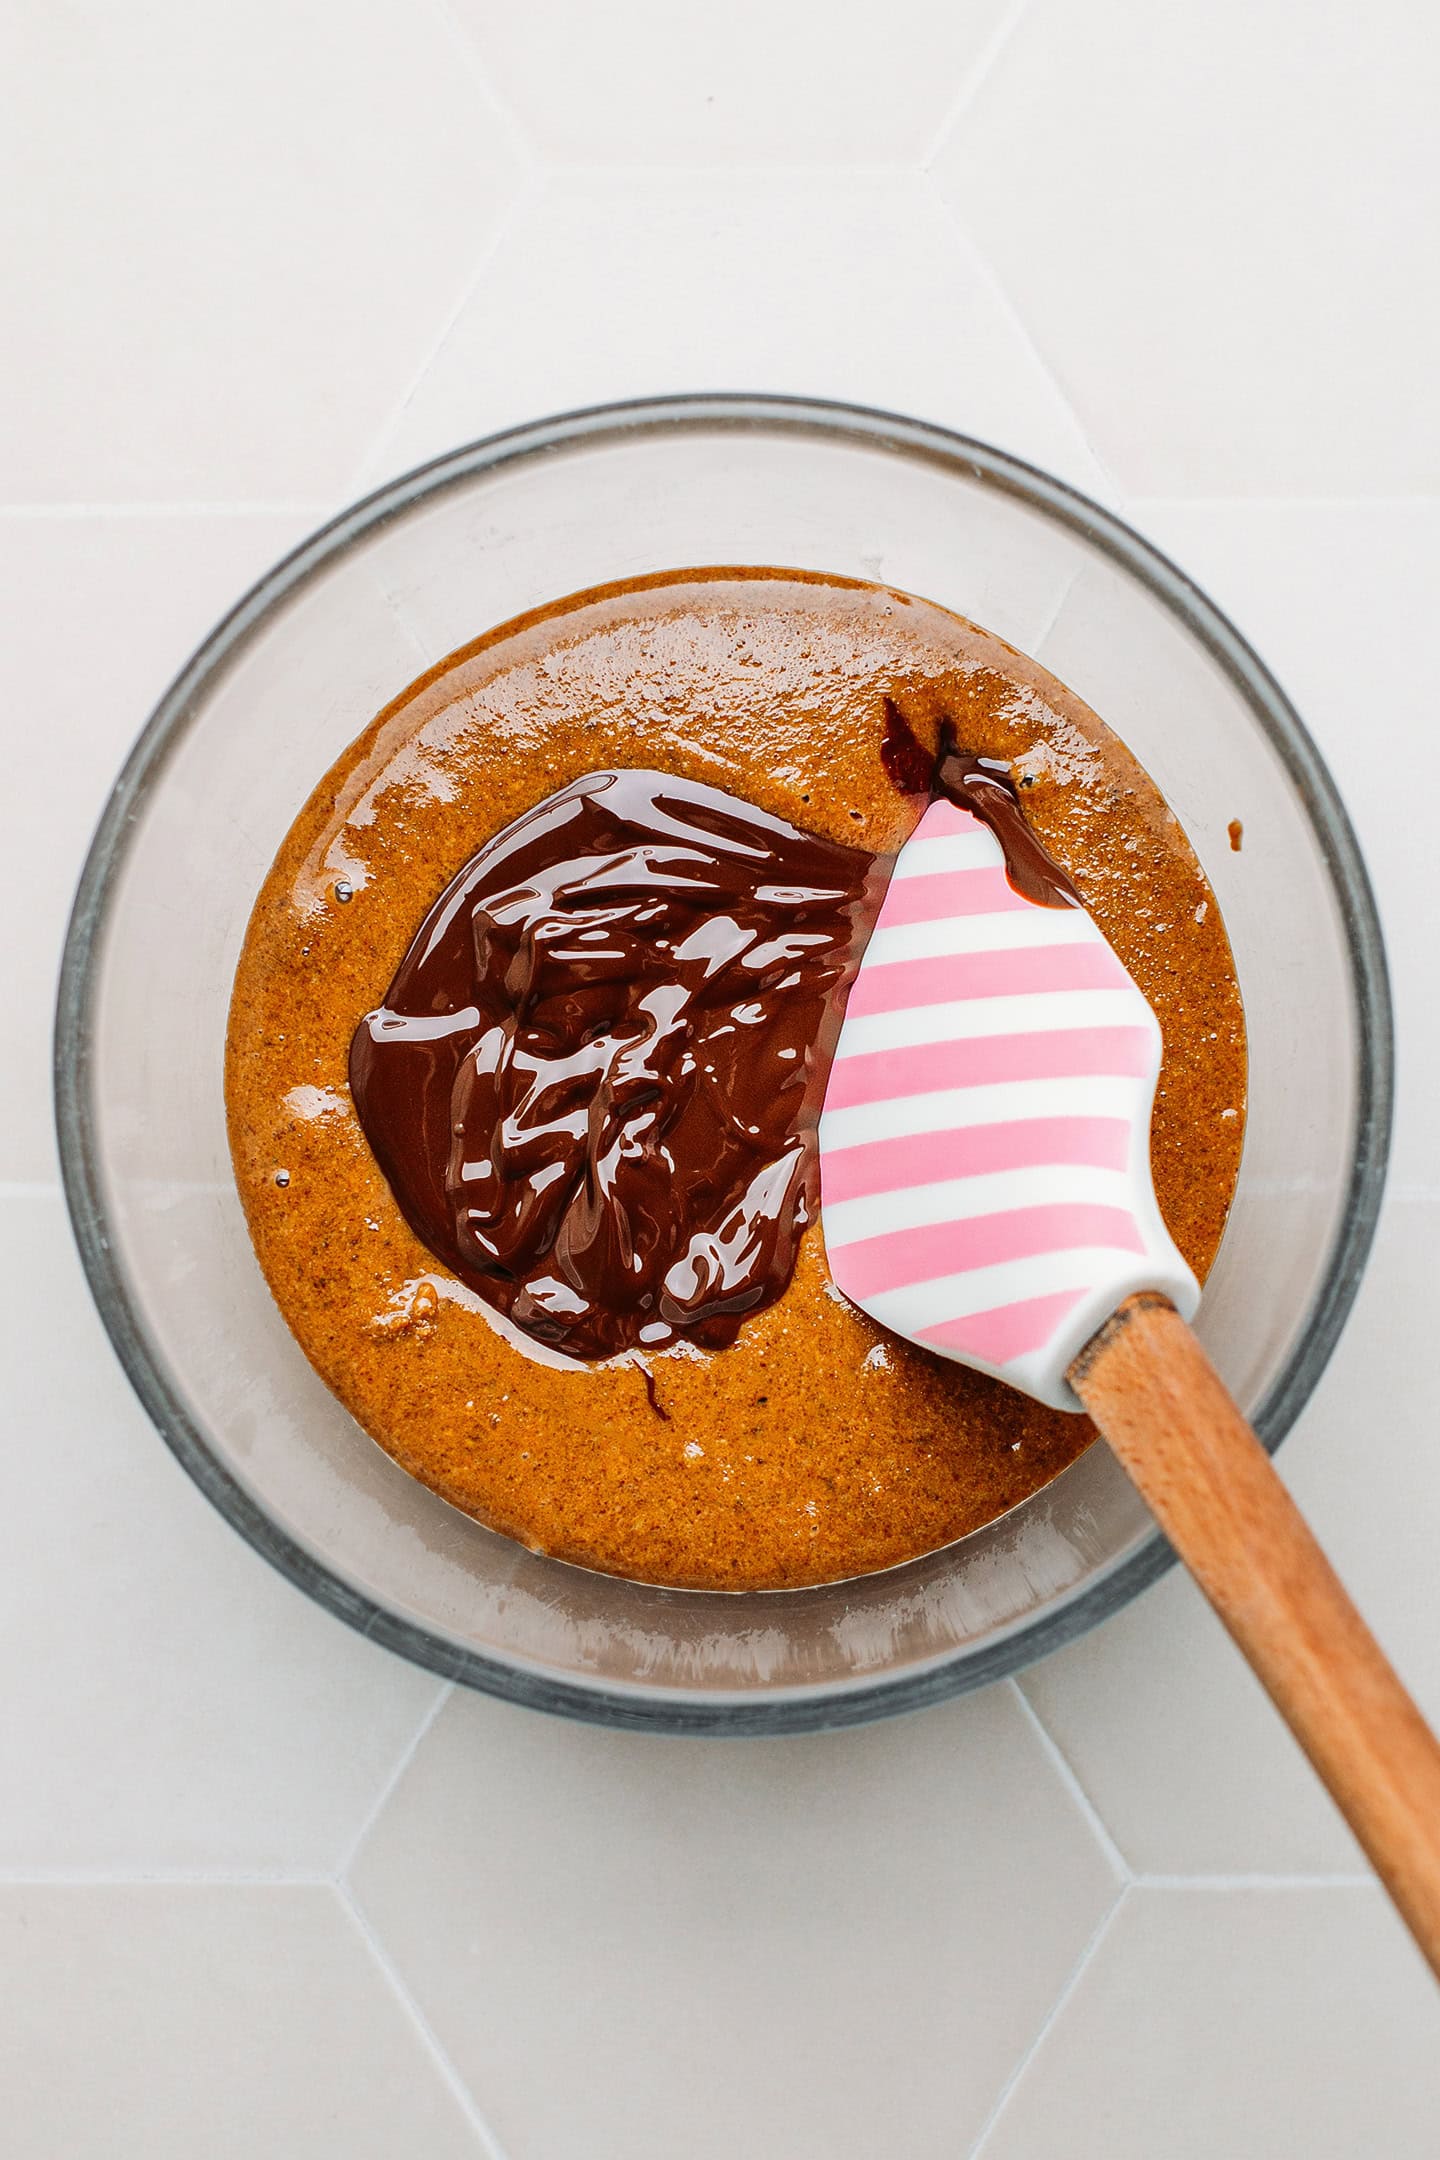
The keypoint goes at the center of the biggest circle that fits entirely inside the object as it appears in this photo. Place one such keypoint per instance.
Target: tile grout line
(1066, 1774)
(318, 507)
(397, 1771)
(1042, 2033)
(531, 189)
(759, 173)
(1055, 613)
(450, 2076)
(82, 1878)
(975, 78)
(1115, 497)
(472, 59)
(1423, 498)
(1232, 1883)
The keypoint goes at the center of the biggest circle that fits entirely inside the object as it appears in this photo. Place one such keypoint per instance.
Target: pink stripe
(984, 1060)
(948, 892)
(1007, 1332)
(878, 1166)
(944, 820)
(891, 986)
(902, 1257)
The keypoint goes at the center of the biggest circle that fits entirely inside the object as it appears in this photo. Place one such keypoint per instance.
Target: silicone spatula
(986, 1193)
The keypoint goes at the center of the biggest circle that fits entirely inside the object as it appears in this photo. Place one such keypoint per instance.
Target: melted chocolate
(595, 1080)
(910, 765)
(984, 787)
(594, 1083)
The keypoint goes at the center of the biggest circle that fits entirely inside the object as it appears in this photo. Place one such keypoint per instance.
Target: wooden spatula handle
(1214, 1492)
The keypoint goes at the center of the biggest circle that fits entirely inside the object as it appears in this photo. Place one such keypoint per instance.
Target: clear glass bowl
(298, 669)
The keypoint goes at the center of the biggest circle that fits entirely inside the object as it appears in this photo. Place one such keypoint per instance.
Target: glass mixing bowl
(305, 661)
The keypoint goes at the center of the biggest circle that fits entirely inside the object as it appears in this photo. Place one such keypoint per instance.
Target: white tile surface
(1177, 1746)
(1339, 598)
(150, 2023)
(772, 81)
(1254, 2025)
(841, 285)
(1214, 221)
(96, 615)
(232, 256)
(166, 1701)
(258, 256)
(1169, 1735)
(787, 1950)
(1364, 1464)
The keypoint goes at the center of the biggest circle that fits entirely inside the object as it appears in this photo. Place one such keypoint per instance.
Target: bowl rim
(802, 1708)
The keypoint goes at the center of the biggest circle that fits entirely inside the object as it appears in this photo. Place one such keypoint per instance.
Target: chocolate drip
(910, 765)
(984, 787)
(595, 1080)
(652, 1394)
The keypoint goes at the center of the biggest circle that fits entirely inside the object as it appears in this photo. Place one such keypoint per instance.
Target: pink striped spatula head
(985, 1139)
(985, 1191)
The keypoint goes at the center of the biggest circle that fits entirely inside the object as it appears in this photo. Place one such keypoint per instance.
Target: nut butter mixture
(532, 1026)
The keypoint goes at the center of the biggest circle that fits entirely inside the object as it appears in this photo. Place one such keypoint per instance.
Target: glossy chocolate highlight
(594, 1083)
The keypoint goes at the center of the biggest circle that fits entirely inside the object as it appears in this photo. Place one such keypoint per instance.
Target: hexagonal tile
(1213, 226)
(759, 80)
(838, 285)
(229, 2022)
(166, 1701)
(99, 613)
(238, 232)
(1339, 597)
(1179, 1749)
(637, 1948)
(1188, 1765)
(1244, 2024)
